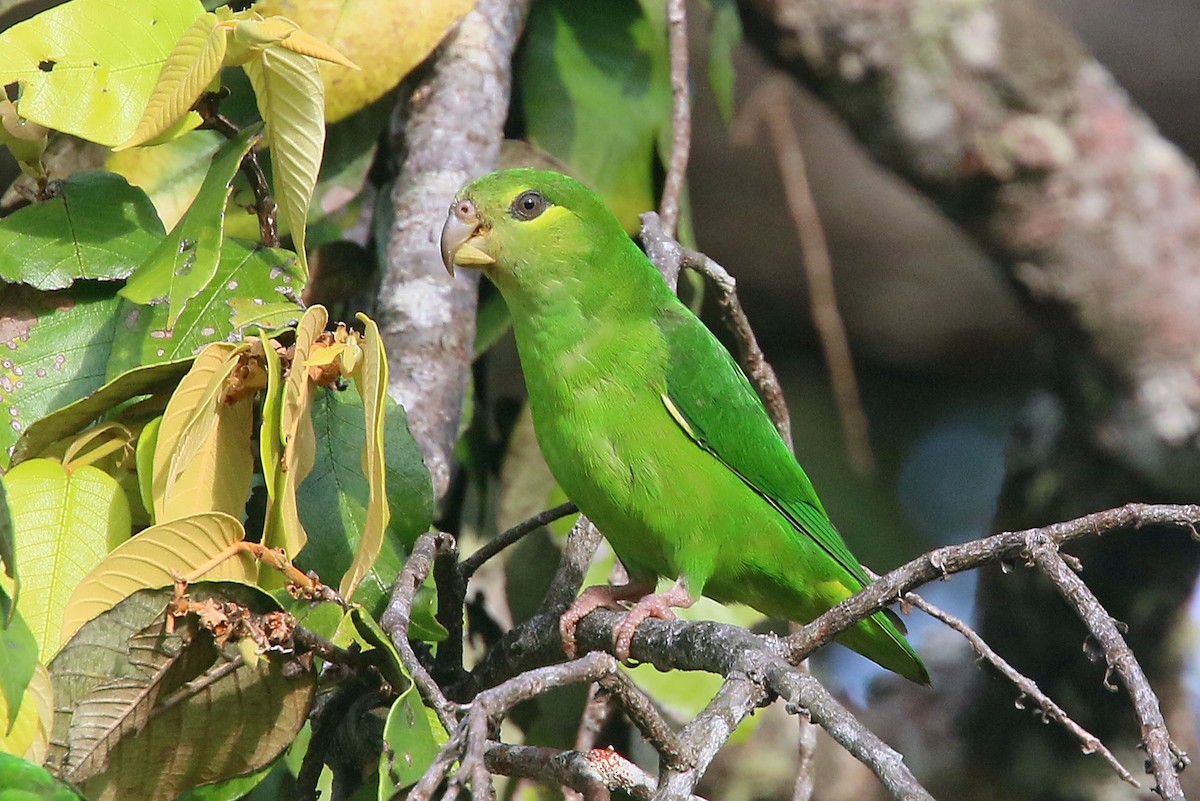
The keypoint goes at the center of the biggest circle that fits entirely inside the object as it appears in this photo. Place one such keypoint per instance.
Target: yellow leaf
(30, 732)
(202, 459)
(190, 68)
(410, 29)
(63, 524)
(291, 99)
(88, 67)
(154, 557)
(284, 529)
(284, 33)
(371, 380)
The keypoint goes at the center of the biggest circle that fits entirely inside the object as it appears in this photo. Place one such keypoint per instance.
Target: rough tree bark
(996, 112)
(450, 132)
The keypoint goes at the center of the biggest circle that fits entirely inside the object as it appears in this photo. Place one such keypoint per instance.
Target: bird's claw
(590, 600)
(656, 606)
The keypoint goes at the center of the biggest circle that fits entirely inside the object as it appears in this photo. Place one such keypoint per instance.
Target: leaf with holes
(185, 261)
(155, 557)
(96, 226)
(261, 278)
(64, 525)
(73, 418)
(53, 347)
(170, 710)
(410, 744)
(88, 67)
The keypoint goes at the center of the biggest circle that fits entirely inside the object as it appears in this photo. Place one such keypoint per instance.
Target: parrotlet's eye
(528, 206)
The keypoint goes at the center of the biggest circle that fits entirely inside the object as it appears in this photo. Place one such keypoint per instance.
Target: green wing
(710, 398)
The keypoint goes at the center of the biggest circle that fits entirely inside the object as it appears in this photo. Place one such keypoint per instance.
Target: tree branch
(1001, 117)
(451, 134)
(681, 115)
(1166, 759)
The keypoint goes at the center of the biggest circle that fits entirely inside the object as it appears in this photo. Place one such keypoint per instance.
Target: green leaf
(64, 523)
(7, 556)
(409, 745)
(18, 658)
(230, 789)
(24, 781)
(333, 500)
(256, 276)
(170, 174)
(170, 711)
(73, 418)
(185, 261)
(725, 34)
(53, 347)
(88, 67)
(595, 91)
(291, 99)
(97, 226)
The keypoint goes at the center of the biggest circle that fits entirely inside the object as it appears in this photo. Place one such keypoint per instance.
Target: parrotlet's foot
(658, 606)
(607, 596)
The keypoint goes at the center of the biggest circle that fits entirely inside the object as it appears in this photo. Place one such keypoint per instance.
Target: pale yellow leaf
(291, 99)
(202, 459)
(154, 557)
(63, 524)
(30, 733)
(189, 70)
(89, 67)
(284, 33)
(371, 379)
(284, 529)
(387, 38)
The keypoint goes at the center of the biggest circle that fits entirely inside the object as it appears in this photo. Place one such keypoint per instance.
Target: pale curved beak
(462, 238)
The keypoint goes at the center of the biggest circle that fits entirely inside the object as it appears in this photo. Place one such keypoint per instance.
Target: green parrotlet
(649, 425)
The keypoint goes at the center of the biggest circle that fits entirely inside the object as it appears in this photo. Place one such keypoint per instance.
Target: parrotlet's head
(528, 230)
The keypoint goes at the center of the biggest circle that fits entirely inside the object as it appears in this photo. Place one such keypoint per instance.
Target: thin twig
(513, 535)
(1166, 760)
(806, 753)
(398, 615)
(580, 770)
(470, 739)
(452, 595)
(1049, 710)
(596, 711)
(769, 106)
(803, 692)
(1004, 547)
(581, 546)
(264, 205)
(709, 731)
(675, 751)
(681, 115)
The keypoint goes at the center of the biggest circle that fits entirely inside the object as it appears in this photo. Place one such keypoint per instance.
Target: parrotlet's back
(648, 424)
